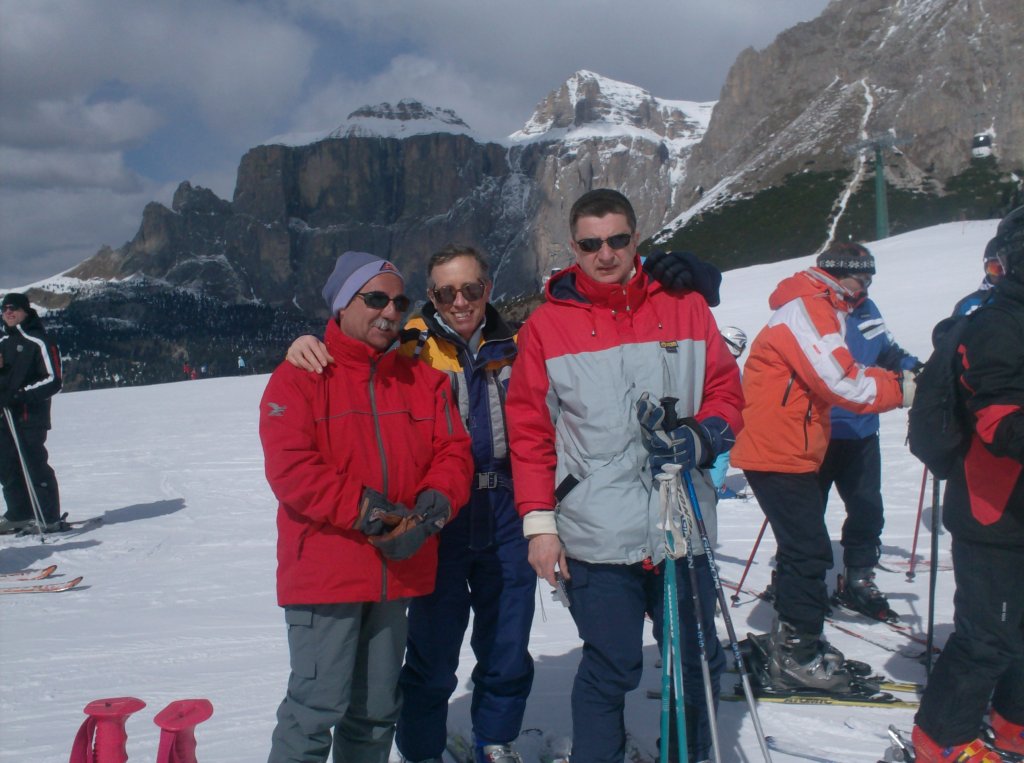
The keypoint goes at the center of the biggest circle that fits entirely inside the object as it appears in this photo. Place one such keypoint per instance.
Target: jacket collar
(813, 282)
(349, 351)
(572, 285)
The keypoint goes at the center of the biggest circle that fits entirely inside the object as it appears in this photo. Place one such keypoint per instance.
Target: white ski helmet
(735, 340)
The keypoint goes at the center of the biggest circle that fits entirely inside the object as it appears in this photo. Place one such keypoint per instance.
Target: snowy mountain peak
(407, 117)
(587, 102)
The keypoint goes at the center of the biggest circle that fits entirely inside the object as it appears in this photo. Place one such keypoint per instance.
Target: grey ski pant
(345, 660)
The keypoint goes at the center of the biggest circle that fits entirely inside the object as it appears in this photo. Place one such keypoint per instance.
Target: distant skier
(30, 374)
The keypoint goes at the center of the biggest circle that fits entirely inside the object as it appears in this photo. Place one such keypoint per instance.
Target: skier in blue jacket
(853, 461)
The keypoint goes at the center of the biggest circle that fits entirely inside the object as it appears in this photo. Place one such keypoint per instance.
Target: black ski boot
(857, 591)
(798, 662)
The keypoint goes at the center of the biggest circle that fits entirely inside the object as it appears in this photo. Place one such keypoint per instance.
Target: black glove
(682, 271)
(376, 512)
(691, 444)
(408, 534)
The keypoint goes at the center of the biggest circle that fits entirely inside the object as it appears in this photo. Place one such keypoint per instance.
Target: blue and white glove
(691, 445)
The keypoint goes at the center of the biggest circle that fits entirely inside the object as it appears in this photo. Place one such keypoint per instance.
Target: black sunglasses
(470, 291)
(378, 300)
(618, 241)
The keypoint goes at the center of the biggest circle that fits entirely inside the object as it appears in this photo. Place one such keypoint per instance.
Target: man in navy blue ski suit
(853, 460)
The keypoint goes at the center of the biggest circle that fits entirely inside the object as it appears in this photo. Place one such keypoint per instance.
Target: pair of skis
(26, 581)
(849, 628)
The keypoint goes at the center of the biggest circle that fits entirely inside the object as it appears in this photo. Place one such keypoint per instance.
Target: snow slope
(178, 598)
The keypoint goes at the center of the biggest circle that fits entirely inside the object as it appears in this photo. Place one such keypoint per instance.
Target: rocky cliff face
(595, 132)
(402, 181)
(932, 72)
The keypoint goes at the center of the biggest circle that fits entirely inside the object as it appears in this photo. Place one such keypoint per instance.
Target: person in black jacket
(983, 660)
(30, 375)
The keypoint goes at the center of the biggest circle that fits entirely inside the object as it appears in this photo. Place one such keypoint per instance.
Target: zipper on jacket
(789, 387)
(807, 424)
(384, 473)
(447, 409)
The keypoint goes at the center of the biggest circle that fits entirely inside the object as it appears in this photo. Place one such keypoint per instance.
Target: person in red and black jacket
(30, 375)
(983, 660)
(368, 461)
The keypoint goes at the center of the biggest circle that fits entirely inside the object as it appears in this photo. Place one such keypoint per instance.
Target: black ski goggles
(616, 242)
(471, 292)
(378, 300)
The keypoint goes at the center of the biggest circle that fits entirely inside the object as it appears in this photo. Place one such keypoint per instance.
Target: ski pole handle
(671, 420)
(102, 737)
(178, 722)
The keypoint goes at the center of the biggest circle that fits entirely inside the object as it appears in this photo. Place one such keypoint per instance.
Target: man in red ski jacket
(367, 461)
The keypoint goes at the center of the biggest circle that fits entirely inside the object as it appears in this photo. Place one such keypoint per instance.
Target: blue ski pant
(855, 466)
(345, 660)
(497, 585)
(608, 604)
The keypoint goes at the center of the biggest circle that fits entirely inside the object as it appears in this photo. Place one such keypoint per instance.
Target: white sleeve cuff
(539, 522)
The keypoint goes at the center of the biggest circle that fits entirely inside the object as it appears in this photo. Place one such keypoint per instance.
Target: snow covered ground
(178, 597)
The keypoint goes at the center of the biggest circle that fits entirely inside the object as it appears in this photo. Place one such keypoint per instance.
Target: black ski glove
(376, 512)
(682, 271)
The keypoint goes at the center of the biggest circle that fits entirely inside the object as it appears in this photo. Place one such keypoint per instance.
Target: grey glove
(433, 509)
(376, 513)
(408, 534)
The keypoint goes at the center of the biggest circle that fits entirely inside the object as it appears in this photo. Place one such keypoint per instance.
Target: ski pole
(33, 498)
(933, 574)
(733, 642)
(671, 662)
(698, 614)
(917, 525)
(735, 598)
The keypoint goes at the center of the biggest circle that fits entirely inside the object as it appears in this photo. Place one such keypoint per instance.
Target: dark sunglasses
(618, 241)
(378, 300)
(470, 292)
(10, 309)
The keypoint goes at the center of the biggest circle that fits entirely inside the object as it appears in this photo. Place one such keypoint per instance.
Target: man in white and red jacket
(585, 427)
(367, 461)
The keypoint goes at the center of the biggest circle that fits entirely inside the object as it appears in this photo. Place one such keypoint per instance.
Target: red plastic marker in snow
(102, 738)
(177, 722)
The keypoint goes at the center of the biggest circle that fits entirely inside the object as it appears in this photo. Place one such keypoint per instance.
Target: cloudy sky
(106, 105)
